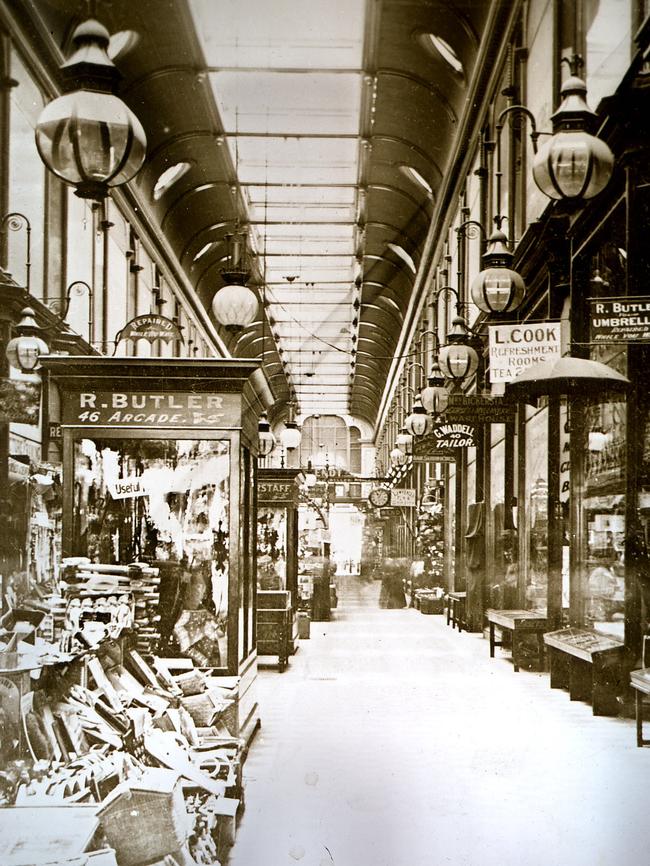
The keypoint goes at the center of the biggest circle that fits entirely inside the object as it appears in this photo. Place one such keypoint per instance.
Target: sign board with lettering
(276, 492)
(427, 450)
(128, 488)
(512, 348)
(150, 327)
(619, 320)
(404, 497)
(278, 487)
(454, 435)
(144, 409)
(477, 409)
(20, 401)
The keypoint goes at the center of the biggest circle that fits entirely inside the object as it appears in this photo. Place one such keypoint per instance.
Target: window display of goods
(103, 729)
(104, 599)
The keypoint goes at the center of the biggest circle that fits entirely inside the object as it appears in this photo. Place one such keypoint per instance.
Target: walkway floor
(392, 740)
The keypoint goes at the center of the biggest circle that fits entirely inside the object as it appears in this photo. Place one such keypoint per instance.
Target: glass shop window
(601, 32)
(26, 179)
(165, 502)
(271, 548)
(603, 507)
(536, 511)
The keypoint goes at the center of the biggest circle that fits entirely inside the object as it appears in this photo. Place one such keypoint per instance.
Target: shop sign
(477, 409)
(276, 492)
(453, 435)
(403, 497)
(20, 401)
(427, 450)
(128, 487)
(512, 348)
(619, 320)
(142, 409)
(150, 327)
(17, 468)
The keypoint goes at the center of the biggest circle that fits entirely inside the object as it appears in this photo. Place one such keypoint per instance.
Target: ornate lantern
(458, 359)
(235, 305)
(24, 350)
(89, 137)
(418, 422)
(573, 163)
(291, 435)
(404, 439)
(435, 396)
(265, 437)
(497, 288)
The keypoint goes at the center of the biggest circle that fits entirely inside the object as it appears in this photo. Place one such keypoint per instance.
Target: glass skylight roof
(287, 80)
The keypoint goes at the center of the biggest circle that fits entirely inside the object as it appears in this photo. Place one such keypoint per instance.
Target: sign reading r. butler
(142, 409)
(619, 320)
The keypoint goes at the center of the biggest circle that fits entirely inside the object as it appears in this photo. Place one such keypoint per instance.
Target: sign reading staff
(512, 348)
(142, 409)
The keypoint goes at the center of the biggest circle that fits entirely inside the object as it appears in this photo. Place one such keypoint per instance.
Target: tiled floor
(392, 740)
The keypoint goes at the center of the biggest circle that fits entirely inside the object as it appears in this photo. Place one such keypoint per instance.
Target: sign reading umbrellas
(619, 320)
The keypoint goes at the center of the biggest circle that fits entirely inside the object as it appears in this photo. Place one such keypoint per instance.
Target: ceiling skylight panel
(316, 172)
(308, 247)
(297, 229)
(288, 103)
(281, 34)
(304, 212)
(292, 194)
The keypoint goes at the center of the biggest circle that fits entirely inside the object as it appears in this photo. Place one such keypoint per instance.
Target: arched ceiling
(326, 128)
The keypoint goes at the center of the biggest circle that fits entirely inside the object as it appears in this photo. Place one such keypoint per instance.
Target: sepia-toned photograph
(324, 432)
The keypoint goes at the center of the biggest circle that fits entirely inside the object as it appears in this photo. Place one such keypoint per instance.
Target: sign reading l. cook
(512, 348)
(619, 320)
(142, 409)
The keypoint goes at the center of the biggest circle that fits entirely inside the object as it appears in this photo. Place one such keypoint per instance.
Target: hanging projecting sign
(151, 327)
(404, 497)
(143, 409)
(276, 492)
(454, 435)
(19, 401)
(128, 488)
(477, 409)
(512, 348)
(427, 450)
(619, 320)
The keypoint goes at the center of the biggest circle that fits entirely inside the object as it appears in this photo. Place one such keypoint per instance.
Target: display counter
(589, 665)
(518, 623)
(277, 545)
(159, 468)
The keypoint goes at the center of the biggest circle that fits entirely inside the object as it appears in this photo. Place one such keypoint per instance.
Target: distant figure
(392, 584)
(321, 610)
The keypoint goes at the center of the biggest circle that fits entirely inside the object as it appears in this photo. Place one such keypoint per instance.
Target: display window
(165, 502)
(536, 510)
(272, 548)
(603, 510)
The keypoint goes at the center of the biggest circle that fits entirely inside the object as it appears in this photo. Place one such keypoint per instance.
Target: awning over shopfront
(574, 377)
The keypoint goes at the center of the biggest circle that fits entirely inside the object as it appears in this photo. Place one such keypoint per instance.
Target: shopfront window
(164, 502)
(601, 32)
(271, 548)
(536, 511)
(26, 179)
(604, 507)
